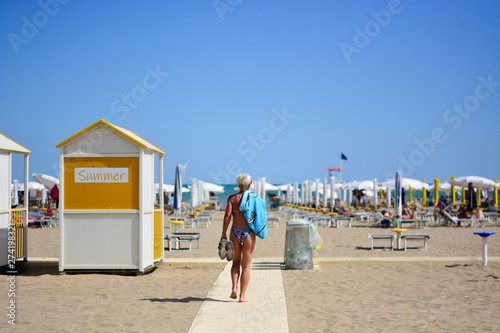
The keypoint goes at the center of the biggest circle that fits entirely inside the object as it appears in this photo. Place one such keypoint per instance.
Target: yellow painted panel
(101, 195)
(157, 235)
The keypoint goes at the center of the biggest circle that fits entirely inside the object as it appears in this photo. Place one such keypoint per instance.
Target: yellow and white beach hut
(108, 218)
(13, 221)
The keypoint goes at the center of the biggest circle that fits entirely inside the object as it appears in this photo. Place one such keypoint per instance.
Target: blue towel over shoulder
(254, 209)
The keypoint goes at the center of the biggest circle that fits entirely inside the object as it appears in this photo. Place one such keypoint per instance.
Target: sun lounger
(448, 218)
(182, 237)
(416, 237)
(383, 237)
(273, 221)
(42, 222)
(340, 220)
(197, 222)
(419, 223)
(472, 221)
(321, 222)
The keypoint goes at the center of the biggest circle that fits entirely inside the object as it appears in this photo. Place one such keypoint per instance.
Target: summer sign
(101, 175)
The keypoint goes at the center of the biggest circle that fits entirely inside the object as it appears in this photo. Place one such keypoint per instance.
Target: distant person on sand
(242, 237)
(54, 195)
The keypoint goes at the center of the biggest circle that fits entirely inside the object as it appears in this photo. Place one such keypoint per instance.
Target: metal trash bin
(298, 250)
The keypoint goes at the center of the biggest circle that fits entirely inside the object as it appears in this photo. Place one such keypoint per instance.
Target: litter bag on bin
(315, 239)
(298, 248)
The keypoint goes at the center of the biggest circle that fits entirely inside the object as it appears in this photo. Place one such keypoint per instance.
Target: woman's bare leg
(246, 264)
(235, 269)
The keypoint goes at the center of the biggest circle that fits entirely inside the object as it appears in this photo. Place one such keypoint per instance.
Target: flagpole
(340, 172)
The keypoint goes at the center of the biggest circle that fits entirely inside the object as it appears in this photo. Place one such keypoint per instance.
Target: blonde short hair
(243, 181)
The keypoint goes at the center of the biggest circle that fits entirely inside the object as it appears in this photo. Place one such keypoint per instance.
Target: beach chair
(273, 221)
(198, 221)
(339, 221)
(448, 218)
(415, 237)
(383, 237)
(177, 238)
(41, 222)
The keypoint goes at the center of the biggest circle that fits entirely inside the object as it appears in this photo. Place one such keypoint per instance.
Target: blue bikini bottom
(240, 234)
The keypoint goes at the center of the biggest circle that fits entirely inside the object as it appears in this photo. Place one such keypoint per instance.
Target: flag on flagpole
(342, 156)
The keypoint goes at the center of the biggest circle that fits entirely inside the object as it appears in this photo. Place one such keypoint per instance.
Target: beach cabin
(108, 217)
(13, 221)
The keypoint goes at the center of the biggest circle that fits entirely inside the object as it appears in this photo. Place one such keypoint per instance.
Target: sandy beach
(355, 289)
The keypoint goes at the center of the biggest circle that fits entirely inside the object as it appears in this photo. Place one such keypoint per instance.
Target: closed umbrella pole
(375, 194)
(495, 194)
(324, 192)
(398, 208)
(453, 194)
(264, 188)
(317, 194)
(436, 191)
(478, 197)
(332, 193)
(410, 196)
(179, 176)
(388, 197)
(424, 196)
(194, 192)
(310, 194)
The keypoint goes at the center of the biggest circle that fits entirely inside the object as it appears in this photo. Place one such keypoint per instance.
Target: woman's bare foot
(233, 295)
(243, 299)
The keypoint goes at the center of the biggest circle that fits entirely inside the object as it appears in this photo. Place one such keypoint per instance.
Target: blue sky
(274, 89)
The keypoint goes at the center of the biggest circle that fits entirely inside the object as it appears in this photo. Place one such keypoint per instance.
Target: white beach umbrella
(406, 183)
(478, 182)
(213, 188)
(296, 192)
(169, 188)
(324, 192)
(32, 186)
(446, 187)
(307, 192)
(351, 185)
(316, 197)
(46, 180)
(283, 187)
(270, 187)
(194, 193)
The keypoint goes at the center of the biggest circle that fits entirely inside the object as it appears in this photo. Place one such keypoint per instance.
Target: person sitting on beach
(386, 221)
(479, 214)
(242, 237)
(409, 214)
(462, 212)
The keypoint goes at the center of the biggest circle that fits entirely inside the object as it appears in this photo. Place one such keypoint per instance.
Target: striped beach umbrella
(179, 176)
(398, 207)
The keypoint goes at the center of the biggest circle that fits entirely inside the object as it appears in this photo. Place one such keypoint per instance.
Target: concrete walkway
(265, 310)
